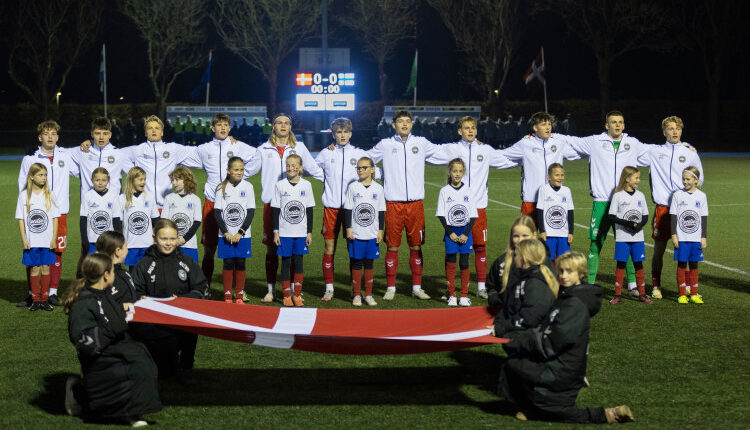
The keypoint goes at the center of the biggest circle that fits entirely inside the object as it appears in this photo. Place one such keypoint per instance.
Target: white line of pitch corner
(710, 263)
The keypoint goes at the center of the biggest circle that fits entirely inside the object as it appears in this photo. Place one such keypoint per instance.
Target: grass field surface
(677, 366)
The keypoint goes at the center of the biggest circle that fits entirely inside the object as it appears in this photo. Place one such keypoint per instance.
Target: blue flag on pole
(205, 80)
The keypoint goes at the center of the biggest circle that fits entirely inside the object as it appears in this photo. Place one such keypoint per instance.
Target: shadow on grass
(13, 290)
(741, 286)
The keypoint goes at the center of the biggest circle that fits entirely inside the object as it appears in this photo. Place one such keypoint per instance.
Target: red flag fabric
(336, 331)
(536, 70)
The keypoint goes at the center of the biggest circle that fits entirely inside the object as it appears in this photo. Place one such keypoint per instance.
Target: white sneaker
(357, 301)
(327, 296)
(389, 294)
(420, 294)
(634, 293)
(268, 298)
(370, 301)
(482, 294)
(464, 301)
(72, 406)
(452, 301)
(138, 423)
(444, 297)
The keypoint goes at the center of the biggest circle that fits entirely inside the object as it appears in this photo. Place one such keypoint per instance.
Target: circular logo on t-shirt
(689, 221)
(138, 223)
(633, 215)
(37, 220)
(556, 217)
(182, 221)
(364, 214)
(458, 215)
(293, 212)
(233, 214)
(100, 221)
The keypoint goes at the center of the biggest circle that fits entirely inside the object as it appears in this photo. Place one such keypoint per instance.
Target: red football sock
(357, 281)
(619, 277)
(450, 276)
(415, 262)
(226, 279)
(480, 261)
(55, 270)
(391, 268)
(298, 279)
(207, 266)
(45, 287)
(286, 289)
(640, 279)
(693, 276)
(368, 282)
(239, 282)
(272, 265)
(465, 275)
(656, 278)
(681, 282)
(35, 287)
(328, 268)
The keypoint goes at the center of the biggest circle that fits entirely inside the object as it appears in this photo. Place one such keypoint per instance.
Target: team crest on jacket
(230, 154)
(553, 148)
(458, 215)
(480, 157)
(682, 158)
(364, 214)
(293, 212)
(627, 147)
(556, 217)
(689, 221)
(37, 220)
(292, 152)
(414, 149)
(165, 154)
(111, 159)
(182, 275)
(353, 162)
(302, 193)
(138, 223)
(100, 221)
(61, 163)
(233, 215)
(182, 222)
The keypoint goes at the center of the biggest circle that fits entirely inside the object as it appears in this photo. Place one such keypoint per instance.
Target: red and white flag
(536, 70)
(337, 331)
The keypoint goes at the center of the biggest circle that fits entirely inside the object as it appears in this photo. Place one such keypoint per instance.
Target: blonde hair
(695, 172)
(275, 140)
(372, 164)
(93, 268)
(47, 125)
(675, 119)
(450, 167)
(100, 171)
(466, 119)
(152, 118)
(554, 166)
(533, 252)
(296, 157)
(574, 261)
(627, 172)
(33, 170)
(527, 222)
(133, 174)
(223, 185)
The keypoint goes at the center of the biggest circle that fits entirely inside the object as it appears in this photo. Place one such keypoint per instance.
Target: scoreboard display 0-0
(325, 92)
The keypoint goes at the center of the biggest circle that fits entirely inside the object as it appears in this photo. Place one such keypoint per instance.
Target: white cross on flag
(536, 70)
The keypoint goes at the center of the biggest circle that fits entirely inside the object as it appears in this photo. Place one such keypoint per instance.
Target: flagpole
(208, 85)
(544, 82)
(416, 61)
(104, 81)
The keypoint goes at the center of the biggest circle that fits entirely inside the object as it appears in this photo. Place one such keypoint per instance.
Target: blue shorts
(241, 249)
(635, 250)
(192, 253)
(359, 249)
(688, 251)
(134, 256)
(292, 246)
(557, 246)
(38, 257)
(92, 248)
(452, 247)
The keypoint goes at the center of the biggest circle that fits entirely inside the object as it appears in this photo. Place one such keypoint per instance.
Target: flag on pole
(536, 70)
(205, 80)
(102, 70)
(413, 78)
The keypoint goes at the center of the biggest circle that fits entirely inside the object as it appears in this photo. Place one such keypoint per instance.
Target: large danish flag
(337, 331)
(536, 70)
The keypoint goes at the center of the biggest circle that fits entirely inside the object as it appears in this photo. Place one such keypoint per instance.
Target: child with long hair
(119, 376)
(457, 214)
(688, 211)
(529, 299)
(183, 207)
(100, 210)
(364, 220)
(628, 212)
(113, 244)
(234, 210)
(139, 212)
(37, 213)
(554, 212)
(292, 204)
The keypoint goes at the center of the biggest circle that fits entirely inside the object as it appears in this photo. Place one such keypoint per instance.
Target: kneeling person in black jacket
(164, 271)
(546, 365)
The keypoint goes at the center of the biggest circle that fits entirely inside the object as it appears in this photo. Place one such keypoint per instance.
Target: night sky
(571, 68)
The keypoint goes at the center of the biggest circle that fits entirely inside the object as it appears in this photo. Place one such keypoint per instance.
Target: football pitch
(676, 366)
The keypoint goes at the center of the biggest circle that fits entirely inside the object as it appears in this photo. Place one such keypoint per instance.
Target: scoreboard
(325, 92)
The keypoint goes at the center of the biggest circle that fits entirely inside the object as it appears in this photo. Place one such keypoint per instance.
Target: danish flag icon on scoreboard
(304, 79)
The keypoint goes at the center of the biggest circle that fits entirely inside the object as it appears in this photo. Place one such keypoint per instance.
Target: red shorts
(267, 226)
(333, 219)
(662, 229)
(62, 233)
(479, 232)
(529, 209)
(400, 215)
(210, 236)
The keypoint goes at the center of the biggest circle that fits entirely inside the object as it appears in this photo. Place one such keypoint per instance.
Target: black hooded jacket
(162, 275)
(495, 278)
(123, 288)
(525, 303)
